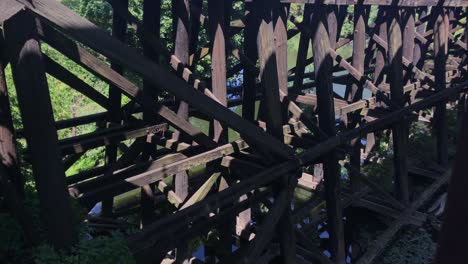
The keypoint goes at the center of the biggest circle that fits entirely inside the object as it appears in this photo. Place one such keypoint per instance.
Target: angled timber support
(39, 128)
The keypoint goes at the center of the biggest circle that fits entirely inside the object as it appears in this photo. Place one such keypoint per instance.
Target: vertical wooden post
(182, 38)
(286, 224)
(196, 7)
(381, 52)
(8, 153)
(266, 48)
(323, 70)
(218, 12)
(280, 16)
(11, 180)
(304, 41)
(181, 10)
(332, 23)
(354, 92)
(217, 33)
(440, 58)
(119, 29)
(408, 40)
(151, 21)
(399, 130)
(181, 45)
(268, 70)
(250, 50)
(39, 129)
(419, 48)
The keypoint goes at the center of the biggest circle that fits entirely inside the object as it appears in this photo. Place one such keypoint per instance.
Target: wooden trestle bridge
(412, 58)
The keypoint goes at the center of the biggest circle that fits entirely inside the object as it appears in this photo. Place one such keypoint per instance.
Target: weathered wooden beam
(420, 48)
(202, 192)
(83, 143)
(323, 71)
(399, 130)
(217, 30)
(151, 172)
(41, 135)
(280, 19)
(381, 52)
(181, 11)
(9, 9)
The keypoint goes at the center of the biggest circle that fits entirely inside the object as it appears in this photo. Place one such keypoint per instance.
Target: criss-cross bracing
(296, 128)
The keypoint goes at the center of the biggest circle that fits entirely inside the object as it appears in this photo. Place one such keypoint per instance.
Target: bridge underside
(294, 128)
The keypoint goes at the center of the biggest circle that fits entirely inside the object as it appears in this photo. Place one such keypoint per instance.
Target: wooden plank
(111, 48)
(9, 8)
(323, 63)
(41, 135)
(147, 173)
(70, 145)
(159, 173)
(399, 130)
(202, 192)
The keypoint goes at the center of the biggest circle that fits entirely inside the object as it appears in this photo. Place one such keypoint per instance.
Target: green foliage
(413, 245)
(111, 250)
